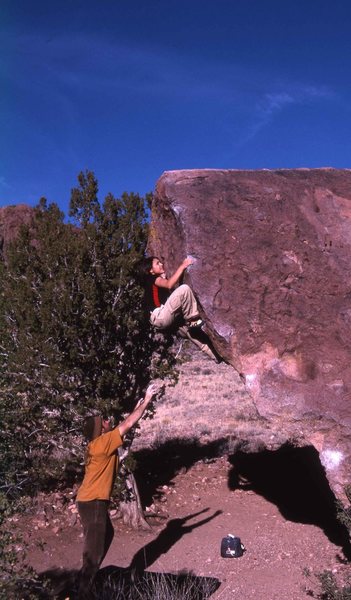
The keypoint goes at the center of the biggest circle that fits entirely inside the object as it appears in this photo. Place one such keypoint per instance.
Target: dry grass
(208, 403)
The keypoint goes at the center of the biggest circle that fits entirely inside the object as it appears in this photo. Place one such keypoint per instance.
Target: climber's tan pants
(181, 302)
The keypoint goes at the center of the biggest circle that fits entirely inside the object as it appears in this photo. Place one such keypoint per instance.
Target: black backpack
(231, 547)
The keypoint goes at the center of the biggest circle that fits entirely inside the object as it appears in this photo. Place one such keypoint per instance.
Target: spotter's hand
(151, 391)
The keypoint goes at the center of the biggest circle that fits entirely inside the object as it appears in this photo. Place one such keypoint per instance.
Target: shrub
(73, 338)
(331, 590)
(344, 513)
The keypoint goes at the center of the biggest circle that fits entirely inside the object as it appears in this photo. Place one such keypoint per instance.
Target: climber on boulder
(168, 306)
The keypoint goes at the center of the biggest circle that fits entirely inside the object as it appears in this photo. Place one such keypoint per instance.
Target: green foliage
(73, 336)
(13, 554)
(330, 589)
(344, 513)
(73, 341)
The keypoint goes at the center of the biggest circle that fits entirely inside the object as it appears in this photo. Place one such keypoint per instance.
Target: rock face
(273, 279)
(11, 218)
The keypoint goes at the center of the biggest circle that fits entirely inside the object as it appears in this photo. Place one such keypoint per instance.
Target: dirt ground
(196, 488)
(200, 507)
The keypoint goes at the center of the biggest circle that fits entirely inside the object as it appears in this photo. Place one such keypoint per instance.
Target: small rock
(72, 519)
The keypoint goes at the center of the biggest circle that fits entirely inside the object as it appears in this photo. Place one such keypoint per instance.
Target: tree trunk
(131, 509)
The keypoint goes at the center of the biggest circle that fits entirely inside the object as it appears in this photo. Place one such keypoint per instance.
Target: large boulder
(273, 279)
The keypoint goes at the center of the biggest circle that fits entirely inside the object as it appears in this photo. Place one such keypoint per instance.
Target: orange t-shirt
(101, 467)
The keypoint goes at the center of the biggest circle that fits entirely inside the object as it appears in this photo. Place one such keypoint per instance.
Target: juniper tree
(72, 331)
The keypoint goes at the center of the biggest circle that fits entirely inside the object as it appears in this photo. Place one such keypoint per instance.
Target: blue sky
(131, 89)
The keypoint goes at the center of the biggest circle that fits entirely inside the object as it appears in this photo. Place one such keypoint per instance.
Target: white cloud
(65, 69)
(276, 102)
(4, 184)
(271, 104)
(99, 65)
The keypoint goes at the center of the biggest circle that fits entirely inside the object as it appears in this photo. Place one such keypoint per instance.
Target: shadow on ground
(158, 466)
(114, 582)
(134, 582)
(291, 478)
(294, 480)
(170, 535)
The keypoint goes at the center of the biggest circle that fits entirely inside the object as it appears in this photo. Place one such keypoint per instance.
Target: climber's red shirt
(154, 295)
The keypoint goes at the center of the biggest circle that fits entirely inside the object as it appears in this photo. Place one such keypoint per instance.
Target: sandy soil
(200, 507)
(197, 493)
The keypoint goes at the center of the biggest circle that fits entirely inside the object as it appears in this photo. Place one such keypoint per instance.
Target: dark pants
(98, 535)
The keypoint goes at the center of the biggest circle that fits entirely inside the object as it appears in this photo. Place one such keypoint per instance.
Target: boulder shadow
(294, 480)
(158, 466)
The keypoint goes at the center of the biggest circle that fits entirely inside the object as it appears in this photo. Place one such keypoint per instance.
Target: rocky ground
(197, 485)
